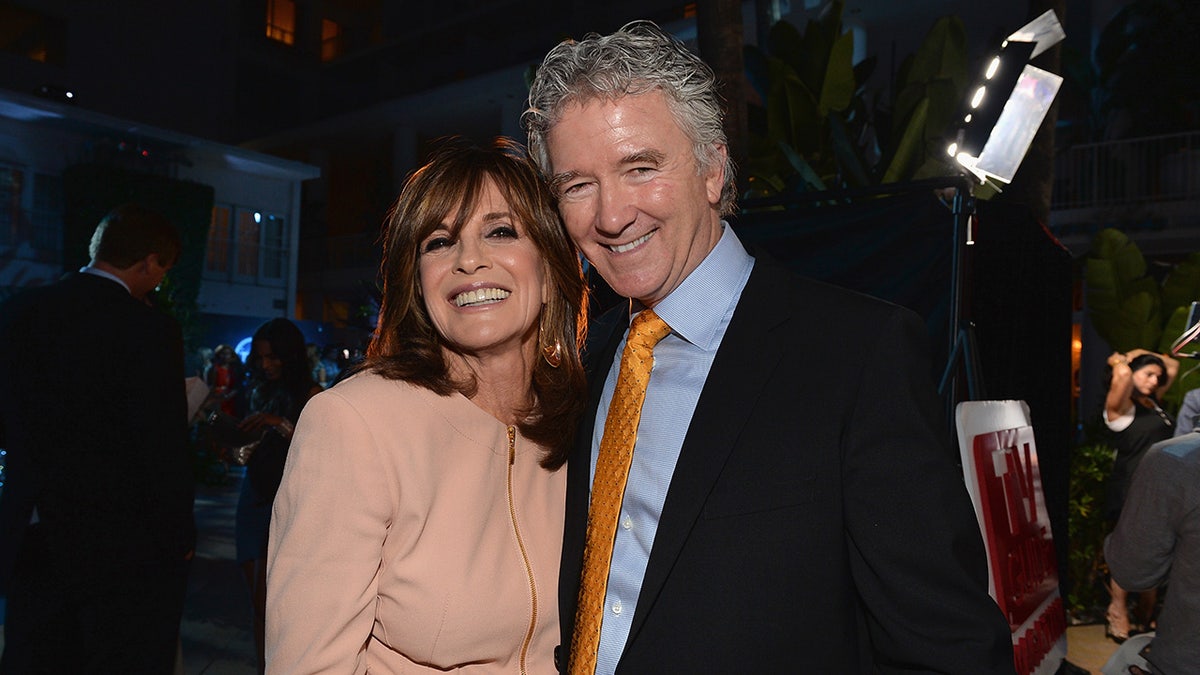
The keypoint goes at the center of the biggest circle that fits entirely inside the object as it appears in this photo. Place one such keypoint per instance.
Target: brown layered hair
(407, 346)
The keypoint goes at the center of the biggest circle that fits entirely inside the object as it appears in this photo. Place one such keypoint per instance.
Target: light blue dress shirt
(698, 312)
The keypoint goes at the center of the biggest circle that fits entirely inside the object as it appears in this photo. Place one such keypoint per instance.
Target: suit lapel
(744, 362)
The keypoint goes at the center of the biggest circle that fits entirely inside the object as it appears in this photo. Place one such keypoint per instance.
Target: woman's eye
(503, 232)
(435, 244)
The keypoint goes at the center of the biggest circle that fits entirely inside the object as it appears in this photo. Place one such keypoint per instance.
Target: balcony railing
(1135, 171)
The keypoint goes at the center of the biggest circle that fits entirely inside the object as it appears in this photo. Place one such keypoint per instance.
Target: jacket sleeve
(1139, 551)
(329, 522)
(916, 552)
(1188, 413)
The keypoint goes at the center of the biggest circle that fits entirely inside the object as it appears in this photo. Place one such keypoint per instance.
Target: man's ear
(714, 173)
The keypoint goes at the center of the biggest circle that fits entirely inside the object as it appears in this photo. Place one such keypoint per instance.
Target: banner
(1000, 465)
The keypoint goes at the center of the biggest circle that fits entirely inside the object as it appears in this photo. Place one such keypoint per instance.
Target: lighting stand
(963, 349)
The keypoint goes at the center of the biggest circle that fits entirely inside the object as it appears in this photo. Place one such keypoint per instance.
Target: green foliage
(816, 128)
(1124, 304)
(1131, 309)
(932, 82)
(812, 108)
(1086, 527)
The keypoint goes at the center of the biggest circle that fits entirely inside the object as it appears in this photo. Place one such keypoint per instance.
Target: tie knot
(647, 329)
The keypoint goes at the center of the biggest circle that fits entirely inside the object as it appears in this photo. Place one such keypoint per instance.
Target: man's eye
(573, 188)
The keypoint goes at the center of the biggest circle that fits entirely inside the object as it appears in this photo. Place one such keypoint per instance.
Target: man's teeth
(480, 297)
(631, 245)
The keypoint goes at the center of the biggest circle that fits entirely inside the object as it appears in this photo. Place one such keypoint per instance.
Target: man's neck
(124, 276)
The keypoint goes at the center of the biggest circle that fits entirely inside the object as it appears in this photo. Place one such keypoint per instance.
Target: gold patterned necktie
(608, 487)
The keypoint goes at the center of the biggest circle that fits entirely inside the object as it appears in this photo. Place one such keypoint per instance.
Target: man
(1189, 413)
(1157, 539)
(97, 512)
(791, 504)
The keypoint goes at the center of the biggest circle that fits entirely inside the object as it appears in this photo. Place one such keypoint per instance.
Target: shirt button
(616, 608)
(627, 522)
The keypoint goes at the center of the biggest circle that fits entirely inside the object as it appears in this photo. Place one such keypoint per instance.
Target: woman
(419, 524)
(281, 383)
(224, 378)
(1135, 421)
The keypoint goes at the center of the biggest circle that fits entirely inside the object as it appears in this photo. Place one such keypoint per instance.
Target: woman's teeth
(481, 296)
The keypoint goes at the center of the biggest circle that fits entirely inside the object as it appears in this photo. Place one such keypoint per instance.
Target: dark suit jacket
(817, 519)
(93, 409)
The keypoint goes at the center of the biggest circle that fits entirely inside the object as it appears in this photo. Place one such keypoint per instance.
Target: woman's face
(483, 289)
(268, 361)
(1146, 379)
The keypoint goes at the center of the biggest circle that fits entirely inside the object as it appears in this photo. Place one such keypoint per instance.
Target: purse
(222, 429)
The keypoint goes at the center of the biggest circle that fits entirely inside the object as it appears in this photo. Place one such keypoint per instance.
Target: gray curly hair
(638, 58)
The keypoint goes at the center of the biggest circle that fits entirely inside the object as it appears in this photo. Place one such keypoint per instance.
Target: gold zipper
(512, 512)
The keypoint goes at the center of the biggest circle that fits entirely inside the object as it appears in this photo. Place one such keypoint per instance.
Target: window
(331, 40)
(247, 246)
(216, 256)
(273, 248)
(47, 213)
(281, 21)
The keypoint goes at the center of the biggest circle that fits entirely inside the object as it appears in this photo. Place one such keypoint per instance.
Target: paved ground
(215, 637)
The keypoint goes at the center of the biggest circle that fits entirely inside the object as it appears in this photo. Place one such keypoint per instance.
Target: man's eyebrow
(557, 180)
(644, 157)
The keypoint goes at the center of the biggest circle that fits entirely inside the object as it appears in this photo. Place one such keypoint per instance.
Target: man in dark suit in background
(97, 513)
(791, 504)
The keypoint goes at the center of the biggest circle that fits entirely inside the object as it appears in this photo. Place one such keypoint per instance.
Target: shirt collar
(88, 269)
(697, 307)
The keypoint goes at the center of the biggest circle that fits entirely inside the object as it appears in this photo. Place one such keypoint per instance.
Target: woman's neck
(503, 382)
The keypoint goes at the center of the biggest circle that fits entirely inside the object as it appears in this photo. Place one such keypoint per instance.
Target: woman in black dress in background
(281, 383)
(1135, 421)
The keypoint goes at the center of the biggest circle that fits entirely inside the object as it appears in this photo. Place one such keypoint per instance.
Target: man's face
(632, 195)
(149, 274)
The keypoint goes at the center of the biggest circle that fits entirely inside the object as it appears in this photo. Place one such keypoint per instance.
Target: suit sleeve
(158, 413)
(1188, 413)
(916, 553)
(329, 522)
(1139, 551)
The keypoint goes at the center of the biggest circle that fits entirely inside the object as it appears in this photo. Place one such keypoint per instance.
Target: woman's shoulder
(366, 386)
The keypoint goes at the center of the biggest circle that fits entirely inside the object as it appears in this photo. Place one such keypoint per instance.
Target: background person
(1134, 421)
(97, 509)
(1189, 413)
(769, 523)
(280, 385)
(1157, 540)
(419, 524)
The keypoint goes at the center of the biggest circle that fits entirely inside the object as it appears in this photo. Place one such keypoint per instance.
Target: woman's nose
(471, 256)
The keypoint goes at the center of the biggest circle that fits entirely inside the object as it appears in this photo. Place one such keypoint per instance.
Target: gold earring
(551, 352)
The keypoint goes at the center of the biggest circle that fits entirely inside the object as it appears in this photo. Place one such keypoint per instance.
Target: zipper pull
(512, 445)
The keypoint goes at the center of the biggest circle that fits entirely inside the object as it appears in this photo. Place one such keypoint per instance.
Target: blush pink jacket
(412, 533)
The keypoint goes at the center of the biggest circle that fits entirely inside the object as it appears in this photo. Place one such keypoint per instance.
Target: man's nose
(615, 210)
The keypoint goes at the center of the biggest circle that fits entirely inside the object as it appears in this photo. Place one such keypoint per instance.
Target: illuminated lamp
(1006, 106)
